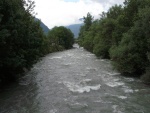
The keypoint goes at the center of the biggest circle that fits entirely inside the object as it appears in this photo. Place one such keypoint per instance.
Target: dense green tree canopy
(22, 40)
(121, 34)
(62, 37)
(84, 29)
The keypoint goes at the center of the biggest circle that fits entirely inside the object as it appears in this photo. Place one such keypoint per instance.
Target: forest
(122, 34)
(22, 40)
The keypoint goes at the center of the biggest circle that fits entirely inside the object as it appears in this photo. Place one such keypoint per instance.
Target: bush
(130, 56)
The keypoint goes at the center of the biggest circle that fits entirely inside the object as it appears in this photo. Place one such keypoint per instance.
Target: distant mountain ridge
(43, 26)
(75, 28)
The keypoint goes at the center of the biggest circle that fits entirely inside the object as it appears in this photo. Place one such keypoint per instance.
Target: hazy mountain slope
(75, 28)
(44, 27)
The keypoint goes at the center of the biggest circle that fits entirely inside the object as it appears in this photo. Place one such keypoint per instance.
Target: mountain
(43, 26)
(75, 28)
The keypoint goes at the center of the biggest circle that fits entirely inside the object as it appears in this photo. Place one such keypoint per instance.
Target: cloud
(108, 3)
(66, 12)
(112, 2)
(71, 0)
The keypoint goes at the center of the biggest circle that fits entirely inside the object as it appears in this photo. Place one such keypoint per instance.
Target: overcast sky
(66, 12)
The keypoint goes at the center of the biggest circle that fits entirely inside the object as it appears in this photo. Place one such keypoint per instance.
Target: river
(75, 81)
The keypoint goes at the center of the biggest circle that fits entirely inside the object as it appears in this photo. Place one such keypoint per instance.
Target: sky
(67, 12)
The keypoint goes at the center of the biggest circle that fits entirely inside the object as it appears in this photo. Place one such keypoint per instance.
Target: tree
(131, 55)
(109, 33)
(61, 37)
(21, 38)
(88, 42)
(88, 20)
(122, 34)
(104, 38)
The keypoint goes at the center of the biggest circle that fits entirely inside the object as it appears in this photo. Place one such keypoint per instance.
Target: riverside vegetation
(22, 40)
(122, 34)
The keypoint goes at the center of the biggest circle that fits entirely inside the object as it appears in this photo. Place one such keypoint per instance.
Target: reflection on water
(75, 81)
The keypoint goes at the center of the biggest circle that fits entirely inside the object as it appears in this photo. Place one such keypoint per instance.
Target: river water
(75, 81)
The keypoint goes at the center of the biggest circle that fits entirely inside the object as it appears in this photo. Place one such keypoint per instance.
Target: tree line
(22, 40)
(121, 34)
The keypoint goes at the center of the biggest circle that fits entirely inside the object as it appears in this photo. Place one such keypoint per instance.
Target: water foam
(78, 105)
(112, 74)
(130, 79)
(56, 57)
(115, 108)
(79, 88)
(118, 96)
(127, 89)
(114, 84)
(53, 111)
(86, 80)
(122, 97)
(91, 69)
(67, 64)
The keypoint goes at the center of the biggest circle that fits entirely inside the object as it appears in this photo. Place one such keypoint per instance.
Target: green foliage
(22, 41)
(145, 15)
(84, 29)
(114, 12)
(61, 37)
(122, 34)
(89, 36)
(131, 55)
(88, 21)
(102, 34)
(146, 76)
(104, 38)
(20, 38)
(81, 35)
